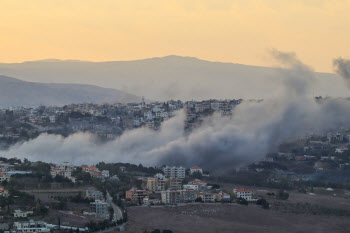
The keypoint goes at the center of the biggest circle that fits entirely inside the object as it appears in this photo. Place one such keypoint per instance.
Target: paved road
(118, 214)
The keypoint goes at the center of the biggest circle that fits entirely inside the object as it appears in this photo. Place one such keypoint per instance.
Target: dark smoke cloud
(342, 67)
(220, 142)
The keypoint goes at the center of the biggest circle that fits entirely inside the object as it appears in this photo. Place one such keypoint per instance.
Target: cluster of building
(95, 172)
(6, 171)
(99, 207)
(171, 189)
(65, 169)
(41, 226)
(108, 120)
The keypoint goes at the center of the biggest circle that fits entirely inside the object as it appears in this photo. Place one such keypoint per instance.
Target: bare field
(211, 218)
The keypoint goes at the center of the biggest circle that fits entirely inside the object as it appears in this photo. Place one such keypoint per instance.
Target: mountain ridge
(170, 77)
(16, 92)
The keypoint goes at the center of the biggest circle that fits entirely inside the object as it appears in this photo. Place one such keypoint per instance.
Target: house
(3, 192)
(319, 166)
(85, 168)
(243, 193)
(341, 149)
(4, 177)
(196, 169)
(93, 171)
(201, 184)
(105, 173)
(136, 195)
(221, 196)
(21, 214)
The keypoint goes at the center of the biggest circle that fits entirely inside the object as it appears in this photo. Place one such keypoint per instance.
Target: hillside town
(48, 197)
(106, 120)
(37, 196)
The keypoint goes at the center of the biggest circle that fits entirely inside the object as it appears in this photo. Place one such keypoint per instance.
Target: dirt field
(211, 218)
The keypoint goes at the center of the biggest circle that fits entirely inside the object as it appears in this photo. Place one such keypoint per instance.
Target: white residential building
(341, 149)
(177, 196)
(100, 208)
(243, 193)
(92, 193)
(65, 169)
(207, 197)
(21, 214)
(190, 187)
(31, 226)
(174, 172)
(4, 177)
(4, 192)
(105, 173)
(196, 169)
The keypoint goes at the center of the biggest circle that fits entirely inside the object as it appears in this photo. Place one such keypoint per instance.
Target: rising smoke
(220, 142)
(342, 67)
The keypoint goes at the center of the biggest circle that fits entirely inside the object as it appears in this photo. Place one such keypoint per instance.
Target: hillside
(171, 77)
(14, 92)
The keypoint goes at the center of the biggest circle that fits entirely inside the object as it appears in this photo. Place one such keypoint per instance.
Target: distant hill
(14, 92)
(171, 77)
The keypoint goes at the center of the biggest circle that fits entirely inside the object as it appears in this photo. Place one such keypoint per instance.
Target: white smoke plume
(220, 142)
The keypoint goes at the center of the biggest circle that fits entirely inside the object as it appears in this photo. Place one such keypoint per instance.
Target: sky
(238, 31)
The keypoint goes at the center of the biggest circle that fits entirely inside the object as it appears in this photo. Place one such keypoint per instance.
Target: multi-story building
(21, 214)
(191, 187)
(178, 196)
(207, 197)
(243, 193)
(188, 196)
(174, 172)
(92, 193)
(31, 226)
(155, 184)
(201, 184)
(65, 169)
(136, 195)
(175, 184)
(171, 197)
(100, 208)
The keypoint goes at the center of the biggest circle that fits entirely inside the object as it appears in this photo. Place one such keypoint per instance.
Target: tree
(198, 199)
(282, 195)
(242, 201)
(156, 231)
(37, 209)
(263, 203)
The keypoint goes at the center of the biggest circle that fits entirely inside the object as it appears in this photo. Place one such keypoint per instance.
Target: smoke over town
(342, 67)
(254, 129)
